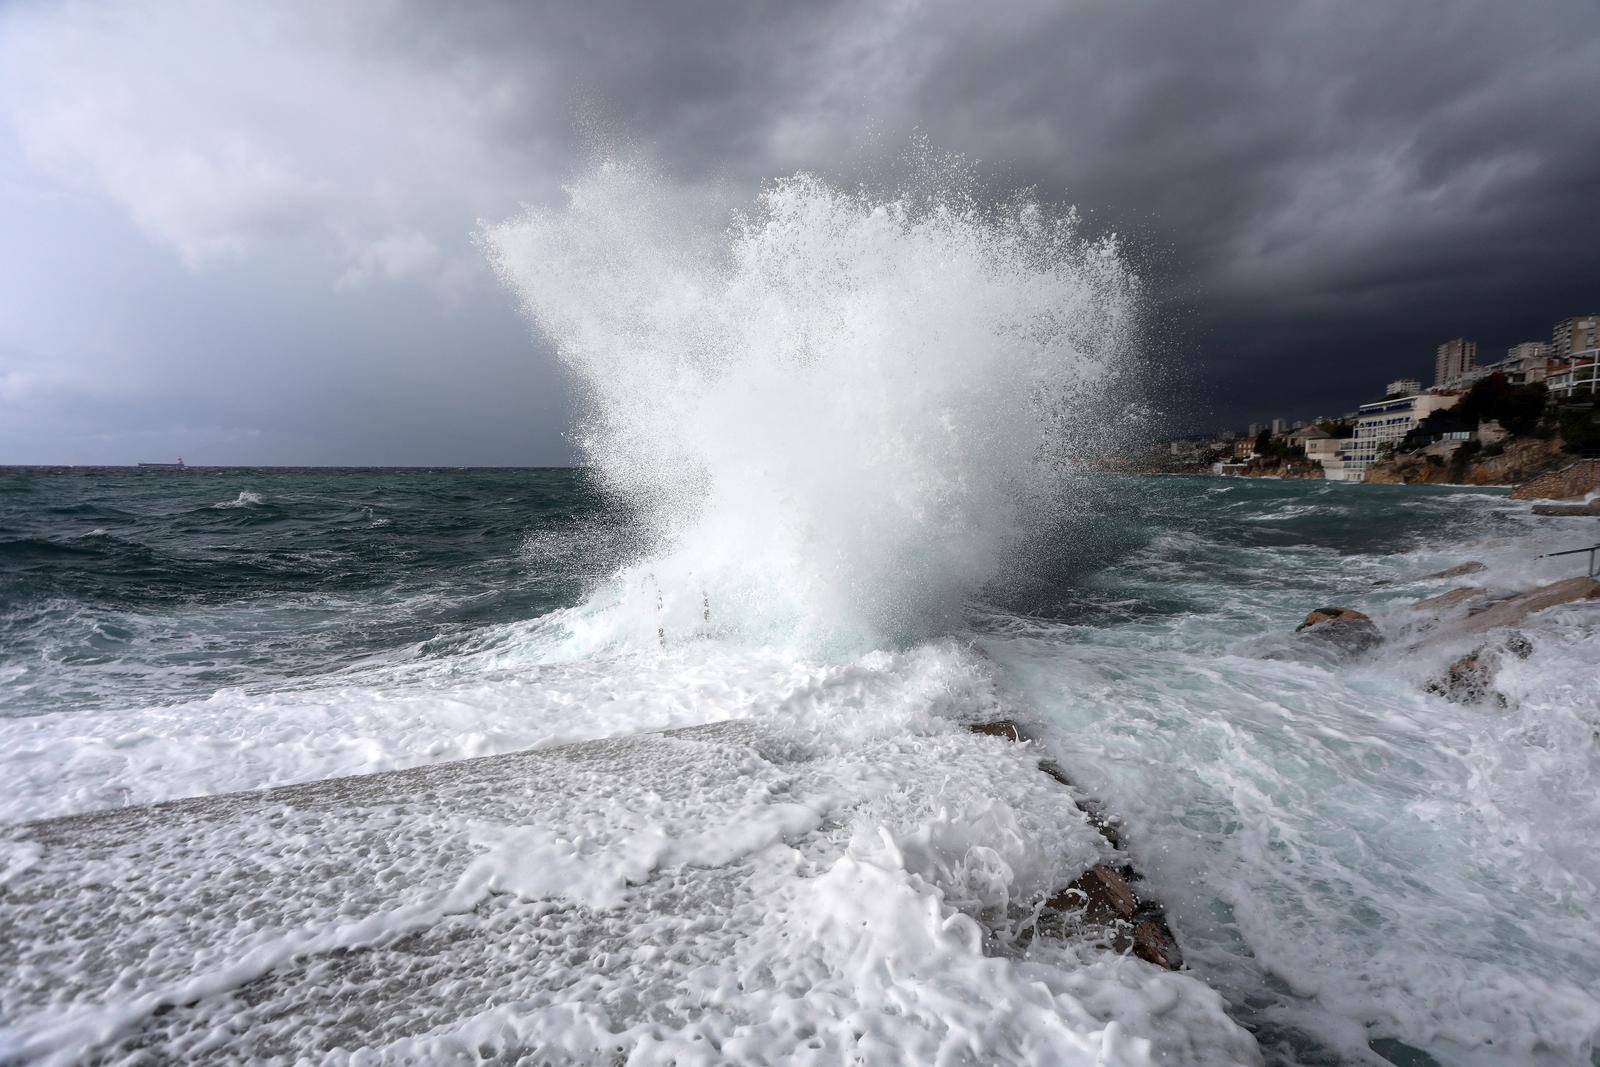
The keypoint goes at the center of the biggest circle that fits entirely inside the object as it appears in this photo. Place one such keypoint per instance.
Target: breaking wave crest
(245, 499)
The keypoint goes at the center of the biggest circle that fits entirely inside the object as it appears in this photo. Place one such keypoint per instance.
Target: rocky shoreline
(1461, 611)
(1533, 470)
(1523, 460)
(1105, 896)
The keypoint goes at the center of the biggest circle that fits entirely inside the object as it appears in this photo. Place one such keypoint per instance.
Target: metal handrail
(1573, 552)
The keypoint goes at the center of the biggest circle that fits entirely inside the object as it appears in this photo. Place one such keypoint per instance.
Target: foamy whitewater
(792, 409)
(836, 496)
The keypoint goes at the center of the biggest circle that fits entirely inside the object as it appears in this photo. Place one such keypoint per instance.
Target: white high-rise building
(1382, 424)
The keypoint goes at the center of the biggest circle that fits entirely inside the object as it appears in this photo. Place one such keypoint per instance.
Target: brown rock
(1470, 679)
(1472, 566)
(1053, 769)
(1154, 943)
(1344, 628)
(1462, 594)
(1102, 893)
(1328, 614)
(1103, 897)
(1513, 610)
(1003, 728)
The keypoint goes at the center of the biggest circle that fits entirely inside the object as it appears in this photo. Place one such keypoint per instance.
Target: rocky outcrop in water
(1344, 628)
(1591, 508)
(1103, 896)
(1513, 610)
(1471, 566)
(1461, 594)
(1470, 679)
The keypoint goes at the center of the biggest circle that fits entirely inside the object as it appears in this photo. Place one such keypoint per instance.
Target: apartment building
(1575, 378)
(1576, 343)
(1382, 424)
(1577, 334)
(1453, 361)
(1527, 363)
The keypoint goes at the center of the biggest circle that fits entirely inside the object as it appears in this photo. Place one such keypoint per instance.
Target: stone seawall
(735, 892)
(1574, 480)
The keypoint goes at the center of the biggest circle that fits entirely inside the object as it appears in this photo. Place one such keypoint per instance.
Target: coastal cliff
(1291, 469)
(1522, 459)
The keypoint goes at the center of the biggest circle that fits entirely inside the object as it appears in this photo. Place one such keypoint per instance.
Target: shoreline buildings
(1379, 427)
(1576, 344)
(1568, 365)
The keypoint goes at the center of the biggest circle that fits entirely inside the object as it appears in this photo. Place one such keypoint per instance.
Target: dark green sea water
(120, 586)
(1361, 868)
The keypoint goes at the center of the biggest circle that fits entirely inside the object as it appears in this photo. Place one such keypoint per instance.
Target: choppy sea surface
(1366, 872)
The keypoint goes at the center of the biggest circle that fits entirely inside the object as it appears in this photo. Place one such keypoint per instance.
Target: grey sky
(243, 232)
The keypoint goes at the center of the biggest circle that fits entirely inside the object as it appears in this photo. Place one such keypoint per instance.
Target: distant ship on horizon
(178, 466)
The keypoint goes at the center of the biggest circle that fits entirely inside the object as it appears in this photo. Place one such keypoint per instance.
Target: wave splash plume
(839, 414)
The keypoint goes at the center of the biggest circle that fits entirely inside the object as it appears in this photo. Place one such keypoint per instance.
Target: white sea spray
(841, 414)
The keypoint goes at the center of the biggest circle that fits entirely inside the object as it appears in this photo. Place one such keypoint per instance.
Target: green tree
(1580, 431)
(1517, 407)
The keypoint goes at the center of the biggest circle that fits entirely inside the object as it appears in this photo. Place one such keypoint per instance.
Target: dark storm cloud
(269, 208)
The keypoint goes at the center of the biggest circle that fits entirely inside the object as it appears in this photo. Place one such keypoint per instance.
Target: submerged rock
(1154, 943)
(1470, 679)
(1103, 897)
(1344, 628)
(1591, 508)
(1518, 645)
(1101, 893)
(1471, 566)
(1005, 729)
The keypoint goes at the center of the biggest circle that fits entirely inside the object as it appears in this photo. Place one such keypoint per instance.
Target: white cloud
(392, 257)
(224, 130)
(205, 200)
